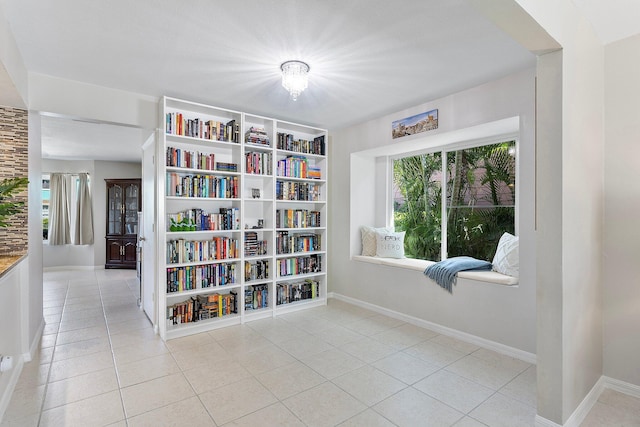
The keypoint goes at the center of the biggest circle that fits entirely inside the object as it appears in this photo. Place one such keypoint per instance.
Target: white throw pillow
(507, 258)
(390, 245)
(369, 239)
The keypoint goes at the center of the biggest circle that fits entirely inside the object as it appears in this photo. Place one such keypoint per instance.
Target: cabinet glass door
(114, 220)
(131, 209)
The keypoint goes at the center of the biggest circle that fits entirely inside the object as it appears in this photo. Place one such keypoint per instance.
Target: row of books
(256, 270)
(299, 265)
(253, 246)
(180, 158)
(297, 167)
(226, 167)
(256, 297)
(257, 135)
(202, 307)
(200, 220)
(291, 243)
(258, 163)
(291, 292)
(193, 277)
(181, 250)
(297, 218)
(222, 187)
(286, 142)
(177, 124)
(305, 191)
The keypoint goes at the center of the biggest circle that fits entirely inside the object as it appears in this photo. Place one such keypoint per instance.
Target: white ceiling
(368, 57)
(74, 139)
(612, 20)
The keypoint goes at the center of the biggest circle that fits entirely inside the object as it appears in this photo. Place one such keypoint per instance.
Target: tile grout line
(113, 356)
(46, 384)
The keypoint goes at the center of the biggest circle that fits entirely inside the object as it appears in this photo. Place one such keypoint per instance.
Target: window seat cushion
(421, 264)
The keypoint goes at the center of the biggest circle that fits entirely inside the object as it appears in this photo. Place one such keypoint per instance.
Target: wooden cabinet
(123, 203)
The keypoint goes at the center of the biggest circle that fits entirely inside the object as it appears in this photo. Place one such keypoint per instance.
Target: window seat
(421, 264)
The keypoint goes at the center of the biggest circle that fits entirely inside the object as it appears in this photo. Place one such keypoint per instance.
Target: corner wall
(409, 292)
(581, 210)
(622, 205)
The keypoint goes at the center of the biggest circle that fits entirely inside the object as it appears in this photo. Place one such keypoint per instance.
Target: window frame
(445, 149)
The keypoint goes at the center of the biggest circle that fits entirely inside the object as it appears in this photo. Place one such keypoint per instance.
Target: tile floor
(100, 364)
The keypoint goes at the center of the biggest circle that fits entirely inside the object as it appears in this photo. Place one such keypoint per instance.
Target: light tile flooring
(100, 364)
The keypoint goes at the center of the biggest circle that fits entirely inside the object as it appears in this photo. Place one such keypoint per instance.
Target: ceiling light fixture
(295, 77)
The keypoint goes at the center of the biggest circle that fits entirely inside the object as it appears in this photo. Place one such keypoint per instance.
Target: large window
(473, 189)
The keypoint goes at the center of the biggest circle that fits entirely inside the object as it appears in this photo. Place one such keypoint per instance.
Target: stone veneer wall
(14, 142)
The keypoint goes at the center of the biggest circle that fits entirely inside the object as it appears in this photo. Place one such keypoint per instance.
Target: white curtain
(83, 228)
(59, 230)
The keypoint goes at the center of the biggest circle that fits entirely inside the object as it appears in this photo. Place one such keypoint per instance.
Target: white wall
(88, 255)
(622, 204)
(581, 212)
(493, 312)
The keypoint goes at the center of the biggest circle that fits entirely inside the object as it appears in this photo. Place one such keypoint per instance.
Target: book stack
(256, 270)
(288, 244)
(253, 246)
(202, 307)
(299, 265)
(226, 167)
(182, 251)
(258, 163)
(257, 135)
(192, 277)
(297, 218)
(177, 124)
(305, 191)
(221, 187)
(292, 167)
(179, 158)
(314, 172)
(286, 142)
(256, 297)
(291, 292)
(199, 220)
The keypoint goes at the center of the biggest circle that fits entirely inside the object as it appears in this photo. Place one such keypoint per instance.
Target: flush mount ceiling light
(295, 77)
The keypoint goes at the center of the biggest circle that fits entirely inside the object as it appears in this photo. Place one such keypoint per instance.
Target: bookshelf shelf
(299, 276)
(200, 291)
(198, 233)
(187, 171)
(213, 261)
(205, 143)
(239, 153)
(294, 254)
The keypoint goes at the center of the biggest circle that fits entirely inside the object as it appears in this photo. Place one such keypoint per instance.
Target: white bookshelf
(257, 202)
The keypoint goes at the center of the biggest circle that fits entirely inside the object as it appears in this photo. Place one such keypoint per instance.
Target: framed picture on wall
(415, 124)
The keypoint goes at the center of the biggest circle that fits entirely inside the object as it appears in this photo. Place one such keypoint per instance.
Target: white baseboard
(35, 343)
(463, 336)
(5, 396)
(590, 400)
(74, 267)
(622, 387)
(586, 405)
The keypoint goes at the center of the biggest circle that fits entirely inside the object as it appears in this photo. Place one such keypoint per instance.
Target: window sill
(421, 264)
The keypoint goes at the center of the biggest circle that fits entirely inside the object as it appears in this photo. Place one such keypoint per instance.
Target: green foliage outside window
(480, 201)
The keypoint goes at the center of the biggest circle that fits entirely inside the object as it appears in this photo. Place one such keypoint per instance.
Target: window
(45, 206)
(476, 195)
(67, 211)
